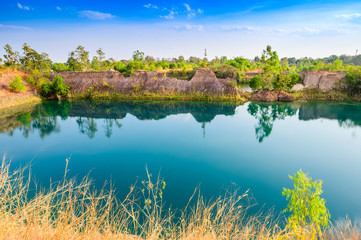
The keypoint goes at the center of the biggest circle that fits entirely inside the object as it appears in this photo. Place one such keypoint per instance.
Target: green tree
(95, 64)
(11, 57)
(33, 60)
(79, 59)
(101, 57)
(16, 85)
(308, 213)
(138, 56)
(59, 67)
(270, 67)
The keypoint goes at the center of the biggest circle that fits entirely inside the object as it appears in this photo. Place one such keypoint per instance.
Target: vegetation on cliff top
(269, 73)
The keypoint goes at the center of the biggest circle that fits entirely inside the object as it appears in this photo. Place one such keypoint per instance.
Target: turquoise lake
(212, 145)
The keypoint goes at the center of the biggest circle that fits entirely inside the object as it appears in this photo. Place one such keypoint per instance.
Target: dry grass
(70, 210)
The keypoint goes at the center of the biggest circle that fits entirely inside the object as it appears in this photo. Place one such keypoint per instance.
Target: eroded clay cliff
(204, 83)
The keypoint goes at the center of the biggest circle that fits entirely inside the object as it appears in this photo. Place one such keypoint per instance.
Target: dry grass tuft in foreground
(70, 210)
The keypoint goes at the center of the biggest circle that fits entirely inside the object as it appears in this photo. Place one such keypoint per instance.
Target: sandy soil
(8, 98)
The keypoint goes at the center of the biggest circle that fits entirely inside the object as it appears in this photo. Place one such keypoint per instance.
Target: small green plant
(309, 215)
(105, 84)
(136, 88)
(56, 89)
(16, 85)
(232, 84)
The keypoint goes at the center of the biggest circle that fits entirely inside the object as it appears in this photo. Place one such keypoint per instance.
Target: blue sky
(172, 28)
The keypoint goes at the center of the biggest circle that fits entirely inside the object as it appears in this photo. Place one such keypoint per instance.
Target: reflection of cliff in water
(347, 114)
(44, 117)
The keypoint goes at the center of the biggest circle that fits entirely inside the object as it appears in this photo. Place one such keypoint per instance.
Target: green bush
(307, 208)
(225, 71)
(285, 81)
(352, 82)
(56, 89)
(255, 83)
(16, 85)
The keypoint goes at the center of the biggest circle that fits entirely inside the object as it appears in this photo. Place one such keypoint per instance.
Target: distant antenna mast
(356, 51)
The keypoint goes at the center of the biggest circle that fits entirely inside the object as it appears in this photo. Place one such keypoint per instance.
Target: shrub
(232, 84)
(16, 85)
(352, 82)
(56, 89)
(307, 208)
(285, 81)
(225, 71)
(255, 83)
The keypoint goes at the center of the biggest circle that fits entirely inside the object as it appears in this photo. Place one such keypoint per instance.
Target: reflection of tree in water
(46, 117)
(267, 114)
(46, 125)
(88, 126)
(109, 126)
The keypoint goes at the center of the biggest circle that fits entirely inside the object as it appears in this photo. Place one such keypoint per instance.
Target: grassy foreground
(70, 210)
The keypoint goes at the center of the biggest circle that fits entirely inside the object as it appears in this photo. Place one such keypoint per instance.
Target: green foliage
(285, 81)
(231, 84)
(352, 82)
(11, 57)
(224, 71)
(56, 89)
(240, 63)
(32, 60)
(307, 208)
(270, 67)
(255, 83)
(59, 67)
(136, 88)
(16, 85)
(138, 55)
(37, 78)
(78, 60)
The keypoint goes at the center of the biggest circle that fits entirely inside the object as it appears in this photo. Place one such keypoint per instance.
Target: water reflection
(44, 118)
(266, 114)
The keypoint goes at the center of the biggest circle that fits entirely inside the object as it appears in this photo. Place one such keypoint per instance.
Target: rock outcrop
(272, 96)
(323, 80)
(298, 87)
(204, 83)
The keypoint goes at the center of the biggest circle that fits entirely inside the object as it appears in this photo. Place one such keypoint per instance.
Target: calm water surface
(212, 145)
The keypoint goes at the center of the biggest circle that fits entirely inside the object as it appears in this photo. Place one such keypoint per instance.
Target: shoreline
(14, 101)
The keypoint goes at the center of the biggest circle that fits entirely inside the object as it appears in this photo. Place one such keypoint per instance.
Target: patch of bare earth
(9, 98)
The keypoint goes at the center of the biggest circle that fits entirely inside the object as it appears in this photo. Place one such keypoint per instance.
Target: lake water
(212, 145)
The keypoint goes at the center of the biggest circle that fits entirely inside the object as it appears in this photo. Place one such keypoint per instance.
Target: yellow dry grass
(70, 210)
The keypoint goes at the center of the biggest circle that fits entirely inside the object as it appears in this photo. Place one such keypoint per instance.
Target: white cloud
(309, 30)
(14, 27)
(149, 5)
(349, 16)
(192, 12)
(58, 8)
(188, 27)
(189, 9)
(23, 7)
(238, 29)
(171, 15)
(95, 15)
